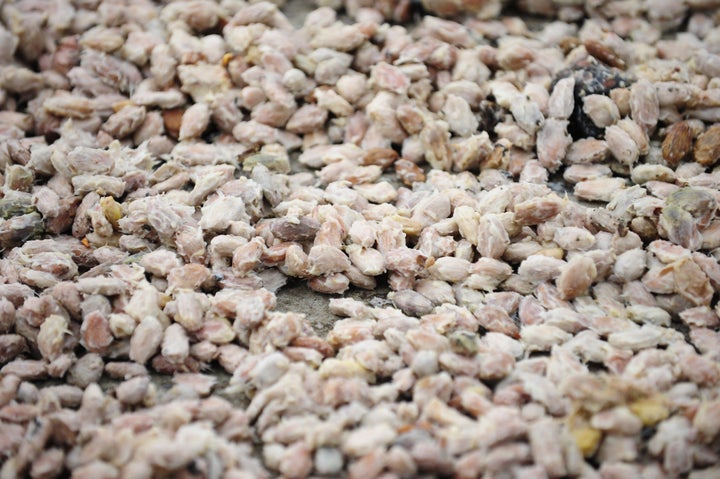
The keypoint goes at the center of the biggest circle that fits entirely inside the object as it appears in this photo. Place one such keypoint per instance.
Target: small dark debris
(490, 114)
(591, 78)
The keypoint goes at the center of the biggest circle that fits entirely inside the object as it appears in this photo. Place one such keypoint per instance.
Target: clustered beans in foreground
(166, 168)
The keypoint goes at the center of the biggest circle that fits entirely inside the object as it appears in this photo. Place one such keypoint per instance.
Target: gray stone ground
(298, 298)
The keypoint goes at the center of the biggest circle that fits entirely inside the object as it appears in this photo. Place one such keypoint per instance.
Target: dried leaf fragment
(677, 144)
(112, 210)
(604, 53)
(707, 146)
